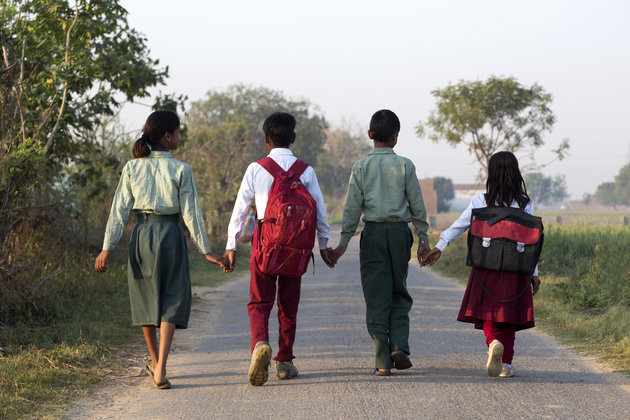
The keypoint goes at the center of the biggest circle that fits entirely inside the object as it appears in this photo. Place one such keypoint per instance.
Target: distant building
(463, 194)
(429, 195)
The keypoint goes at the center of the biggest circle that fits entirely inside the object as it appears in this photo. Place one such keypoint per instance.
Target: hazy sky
(351, 58)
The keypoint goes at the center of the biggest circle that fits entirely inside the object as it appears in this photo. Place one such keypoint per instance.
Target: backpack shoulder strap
(298, 168)
(271, 166)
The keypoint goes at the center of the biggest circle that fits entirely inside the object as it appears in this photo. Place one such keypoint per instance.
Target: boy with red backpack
(288, 197)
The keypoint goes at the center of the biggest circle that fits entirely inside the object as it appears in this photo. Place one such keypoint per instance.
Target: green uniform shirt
(384, 187)
(156, 184)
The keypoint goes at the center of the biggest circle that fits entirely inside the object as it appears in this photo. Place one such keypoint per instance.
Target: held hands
(230, 257)
(100, 265)
(535, 284)
(337, 253)
(327, 256)
(221, 261)
(431, 257)
(423, 251)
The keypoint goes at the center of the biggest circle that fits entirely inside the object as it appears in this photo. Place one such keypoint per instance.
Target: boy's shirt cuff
(231, 244)
(344, 241)
(323, 243)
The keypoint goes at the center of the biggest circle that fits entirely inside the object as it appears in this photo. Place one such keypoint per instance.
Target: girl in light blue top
(159, 190)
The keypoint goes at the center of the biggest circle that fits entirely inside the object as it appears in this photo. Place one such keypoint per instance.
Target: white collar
(280, 151)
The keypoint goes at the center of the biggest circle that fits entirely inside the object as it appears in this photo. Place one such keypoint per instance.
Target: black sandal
(149, 369)
(166, 384)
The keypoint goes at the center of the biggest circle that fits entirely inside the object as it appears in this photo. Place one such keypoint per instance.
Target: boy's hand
(535, 284)
(327, 257)
(230, 256)
(432, 257)
(337, 253)
(423, 251)
(100, 265)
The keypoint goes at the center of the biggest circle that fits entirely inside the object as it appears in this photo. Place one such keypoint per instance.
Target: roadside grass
(584, 299)
(44, 363)
(48, 360)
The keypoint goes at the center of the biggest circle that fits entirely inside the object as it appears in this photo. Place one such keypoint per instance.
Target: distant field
(442, 221)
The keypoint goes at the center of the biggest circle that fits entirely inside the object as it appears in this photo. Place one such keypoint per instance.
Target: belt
(157, 218)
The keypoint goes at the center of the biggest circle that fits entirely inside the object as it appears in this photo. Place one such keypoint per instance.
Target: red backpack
(287, 233)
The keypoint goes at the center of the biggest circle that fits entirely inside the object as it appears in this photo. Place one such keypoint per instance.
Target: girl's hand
(100, 265)
(215, 259)
(432, 257)
(535, 284)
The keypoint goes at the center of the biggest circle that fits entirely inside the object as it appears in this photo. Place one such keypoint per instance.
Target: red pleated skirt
(490, 296)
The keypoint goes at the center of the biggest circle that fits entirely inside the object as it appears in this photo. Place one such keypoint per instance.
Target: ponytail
(158, 124)
(141, 148)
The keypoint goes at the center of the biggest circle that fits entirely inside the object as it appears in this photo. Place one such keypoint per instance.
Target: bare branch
(44, 280)
(65, 82)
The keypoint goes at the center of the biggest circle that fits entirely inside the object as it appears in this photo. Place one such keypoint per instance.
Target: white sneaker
(495, 353)
(507, 371)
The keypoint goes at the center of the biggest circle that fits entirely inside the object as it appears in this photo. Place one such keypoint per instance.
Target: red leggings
(504, 333)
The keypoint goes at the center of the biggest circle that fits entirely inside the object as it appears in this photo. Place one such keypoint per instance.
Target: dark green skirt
(158, 272)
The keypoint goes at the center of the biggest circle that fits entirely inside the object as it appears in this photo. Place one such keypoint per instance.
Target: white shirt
(460, 225)
(256, 185)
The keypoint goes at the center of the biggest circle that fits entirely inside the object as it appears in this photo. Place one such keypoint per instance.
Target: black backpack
(504, 239)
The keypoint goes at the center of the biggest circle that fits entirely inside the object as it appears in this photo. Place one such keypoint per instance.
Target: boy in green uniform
(384, 187)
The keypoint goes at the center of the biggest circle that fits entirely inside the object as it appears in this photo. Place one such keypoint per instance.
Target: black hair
(505, 183)
(280, 127)
(157, 125)
(383, 125)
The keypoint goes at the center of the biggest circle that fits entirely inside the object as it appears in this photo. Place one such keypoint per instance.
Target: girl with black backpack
(498, 301)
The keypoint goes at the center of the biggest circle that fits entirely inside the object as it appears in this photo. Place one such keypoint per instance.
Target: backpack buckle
(485, 242)
(520, 246)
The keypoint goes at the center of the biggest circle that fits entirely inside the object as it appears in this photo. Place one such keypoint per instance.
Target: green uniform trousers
(385, 251)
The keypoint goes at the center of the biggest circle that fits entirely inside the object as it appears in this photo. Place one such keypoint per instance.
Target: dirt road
(208, 367)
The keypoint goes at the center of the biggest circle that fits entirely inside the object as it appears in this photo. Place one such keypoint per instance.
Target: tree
(606, 194)
(617, 192)
(546, 190)
(225, 135)
(345, 144)
(445, 193)
(487, 117)
(64, 69)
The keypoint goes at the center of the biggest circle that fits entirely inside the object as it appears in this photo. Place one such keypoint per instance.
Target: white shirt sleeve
(458, 227)
(312, 185)
(244, 198)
